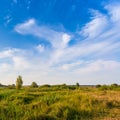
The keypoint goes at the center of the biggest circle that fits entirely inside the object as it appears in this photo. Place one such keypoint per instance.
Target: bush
(11, 86)
(104, 87)
(98, 86)
(34, 85)
(46, 85)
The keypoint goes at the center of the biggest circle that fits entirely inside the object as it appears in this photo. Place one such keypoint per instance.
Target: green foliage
(19, 82)
(108, 87)
(114, 86)
(34, 85)
(77, 84)
(98, 86)
(46, 85)
(2, 85)
(11, 86)
(104, 87)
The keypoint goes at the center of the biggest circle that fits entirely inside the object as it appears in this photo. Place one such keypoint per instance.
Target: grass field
(60, 103)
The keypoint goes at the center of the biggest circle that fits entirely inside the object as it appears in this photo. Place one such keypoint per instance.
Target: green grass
(59, 103)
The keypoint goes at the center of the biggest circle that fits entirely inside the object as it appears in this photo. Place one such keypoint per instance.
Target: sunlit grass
(59, 103)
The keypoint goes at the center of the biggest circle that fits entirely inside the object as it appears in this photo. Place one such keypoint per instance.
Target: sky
(60, 41)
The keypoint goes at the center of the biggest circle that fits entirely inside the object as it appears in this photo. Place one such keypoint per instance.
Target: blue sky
(60, 41)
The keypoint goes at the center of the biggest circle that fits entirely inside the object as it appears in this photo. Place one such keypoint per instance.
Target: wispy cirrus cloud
(57, 39)
(96, 26)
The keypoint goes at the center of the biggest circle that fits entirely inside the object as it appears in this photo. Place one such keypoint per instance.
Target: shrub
(34, 85)
(45, 85)
(98, 86)
(104, 87)
(11, 86)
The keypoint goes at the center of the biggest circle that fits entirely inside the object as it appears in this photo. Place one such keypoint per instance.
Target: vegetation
(2, 85)
(19, 82)
(60, 102)
(34, 85)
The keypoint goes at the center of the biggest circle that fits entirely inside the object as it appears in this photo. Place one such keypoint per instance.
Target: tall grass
(59, 103)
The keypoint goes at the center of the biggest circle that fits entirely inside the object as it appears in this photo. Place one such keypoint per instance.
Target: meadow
(60, 102)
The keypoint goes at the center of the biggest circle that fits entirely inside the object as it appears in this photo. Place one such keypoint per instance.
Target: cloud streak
(57, 39)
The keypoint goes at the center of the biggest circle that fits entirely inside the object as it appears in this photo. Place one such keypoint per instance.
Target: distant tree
(77, 84)
(63, 84)
(19, 82)
(34, 85)
(45, 85)
(114, 85)
(98, 86)
(104, 87)
(0, 85)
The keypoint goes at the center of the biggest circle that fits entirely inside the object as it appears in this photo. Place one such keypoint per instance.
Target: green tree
(98, 86)
(19, 82)
(77, 85)
(34, 84)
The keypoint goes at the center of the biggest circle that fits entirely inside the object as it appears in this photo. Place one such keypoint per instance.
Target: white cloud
(14, 57)
(26, 28)
(114, 11)
(40, 48)
(73, 65)
(99, 72)
(99, 66)
(4, 67)
(96, 26)
(65, 39)
(101, 39)
(20, 63)
(58, 40)
(31, 27)
(7, 53)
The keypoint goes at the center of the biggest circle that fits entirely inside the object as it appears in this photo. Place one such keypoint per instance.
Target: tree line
(19, 85)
